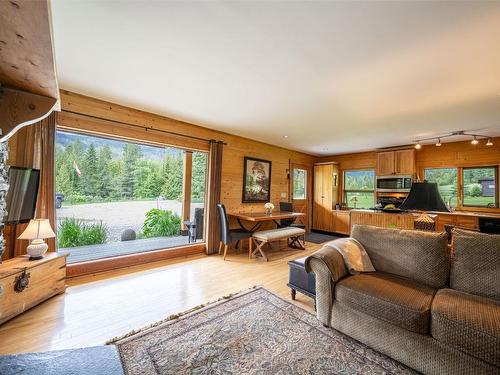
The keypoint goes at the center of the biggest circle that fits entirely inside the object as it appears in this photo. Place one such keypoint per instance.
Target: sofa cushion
(417, 255)
(475, 266)
(393, 299)
(468, 323)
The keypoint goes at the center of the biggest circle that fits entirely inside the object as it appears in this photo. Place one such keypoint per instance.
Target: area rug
(319, 237)
(250, 332)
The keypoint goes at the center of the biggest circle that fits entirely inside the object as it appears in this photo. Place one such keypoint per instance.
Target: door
(300, 178)
(318, 197)
(385, 163)
(325, 196)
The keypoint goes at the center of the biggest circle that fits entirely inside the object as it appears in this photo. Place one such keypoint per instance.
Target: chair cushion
(468, 323)
(393, 299)
(475, 266)
(280, 233)
(417, 255)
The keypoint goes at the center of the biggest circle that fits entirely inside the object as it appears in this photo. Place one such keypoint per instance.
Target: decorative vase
(269, 211)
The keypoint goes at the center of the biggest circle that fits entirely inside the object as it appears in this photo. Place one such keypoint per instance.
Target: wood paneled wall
(236, 149)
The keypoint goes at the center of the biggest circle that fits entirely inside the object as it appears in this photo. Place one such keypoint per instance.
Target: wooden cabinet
(42, 279)
(456, 220)
(404, 161)
(383, 220)
(342, 222)
(400, 162)
(385, 163)
(325, 196)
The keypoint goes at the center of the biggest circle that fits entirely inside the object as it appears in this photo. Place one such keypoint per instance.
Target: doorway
(300, 188)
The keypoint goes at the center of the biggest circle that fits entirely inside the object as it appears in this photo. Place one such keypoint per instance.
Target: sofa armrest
(328, 267)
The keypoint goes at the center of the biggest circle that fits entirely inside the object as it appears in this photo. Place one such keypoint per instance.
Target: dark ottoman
(300, 280)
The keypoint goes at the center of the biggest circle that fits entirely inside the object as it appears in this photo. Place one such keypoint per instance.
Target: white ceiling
(334, 77)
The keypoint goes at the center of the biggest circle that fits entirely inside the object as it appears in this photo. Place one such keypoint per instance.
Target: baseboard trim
(122, 261)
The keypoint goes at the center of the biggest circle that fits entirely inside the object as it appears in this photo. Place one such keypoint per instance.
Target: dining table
(258, 218)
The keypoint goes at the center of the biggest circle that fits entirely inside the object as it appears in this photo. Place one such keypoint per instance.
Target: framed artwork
(256, 180)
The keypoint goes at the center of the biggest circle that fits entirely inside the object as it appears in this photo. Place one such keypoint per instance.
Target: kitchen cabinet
(342, 222)
(456, 220)
(325, 196)
(399, 162)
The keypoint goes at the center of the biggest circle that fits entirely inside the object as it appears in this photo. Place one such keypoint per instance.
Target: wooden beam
(186, 185)
(101, 127)
(19, 109)
(26, 48)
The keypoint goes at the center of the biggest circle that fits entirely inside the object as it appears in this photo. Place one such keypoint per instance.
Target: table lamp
(36, 231)
(424, 196)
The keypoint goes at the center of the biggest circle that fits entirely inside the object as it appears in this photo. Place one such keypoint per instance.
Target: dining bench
(295, 238)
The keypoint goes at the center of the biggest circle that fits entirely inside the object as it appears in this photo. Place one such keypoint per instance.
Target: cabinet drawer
(45, 280)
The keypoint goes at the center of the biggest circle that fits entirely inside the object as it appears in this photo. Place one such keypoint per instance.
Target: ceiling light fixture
(285, 136)
(474, 141)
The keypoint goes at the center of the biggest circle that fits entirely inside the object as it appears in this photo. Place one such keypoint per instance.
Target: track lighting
(474, 141)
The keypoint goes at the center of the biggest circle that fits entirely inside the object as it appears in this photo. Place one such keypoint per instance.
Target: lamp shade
(424, 196)
(37, 229)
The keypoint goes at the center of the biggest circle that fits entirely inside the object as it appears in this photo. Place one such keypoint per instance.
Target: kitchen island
(405, 220)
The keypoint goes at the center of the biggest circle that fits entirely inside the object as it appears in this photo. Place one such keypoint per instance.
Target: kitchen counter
(405, 220)
(455, 213)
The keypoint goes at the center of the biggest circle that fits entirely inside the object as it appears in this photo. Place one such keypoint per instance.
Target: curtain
(34, 147)
(214, 194)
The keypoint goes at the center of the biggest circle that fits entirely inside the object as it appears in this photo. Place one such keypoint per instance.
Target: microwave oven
(398, 184)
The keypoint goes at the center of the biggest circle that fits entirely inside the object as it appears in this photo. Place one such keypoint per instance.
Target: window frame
(345, 191)
(458, 169)
(462, 186)
(460, 194)
(305, 197)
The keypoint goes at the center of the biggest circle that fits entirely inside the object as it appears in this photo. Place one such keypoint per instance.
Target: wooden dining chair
(288, 207)
(229, 236)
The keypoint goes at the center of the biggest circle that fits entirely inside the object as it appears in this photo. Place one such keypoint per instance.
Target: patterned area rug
(250, 332)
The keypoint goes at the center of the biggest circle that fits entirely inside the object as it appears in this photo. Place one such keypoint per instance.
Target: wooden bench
(295, 238)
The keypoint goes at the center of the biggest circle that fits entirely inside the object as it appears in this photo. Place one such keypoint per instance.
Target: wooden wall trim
(108, 264)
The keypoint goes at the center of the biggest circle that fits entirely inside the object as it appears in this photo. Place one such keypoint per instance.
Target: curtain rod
(146, 128)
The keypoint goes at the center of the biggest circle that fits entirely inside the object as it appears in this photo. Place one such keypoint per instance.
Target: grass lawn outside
(365, 200)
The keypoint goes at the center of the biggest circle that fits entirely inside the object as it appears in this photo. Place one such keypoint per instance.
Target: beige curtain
(214, 193)
(34, 147)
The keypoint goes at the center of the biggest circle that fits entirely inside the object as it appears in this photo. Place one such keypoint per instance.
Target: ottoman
(299, 280)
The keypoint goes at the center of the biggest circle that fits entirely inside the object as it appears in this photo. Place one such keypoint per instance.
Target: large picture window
(480, 187)
(117, 197)
(447, 181)
(359, 188)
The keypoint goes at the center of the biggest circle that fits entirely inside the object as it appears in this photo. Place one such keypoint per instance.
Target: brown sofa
(436, 315)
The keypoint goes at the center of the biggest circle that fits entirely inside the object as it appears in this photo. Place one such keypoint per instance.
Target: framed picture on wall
(256, 180)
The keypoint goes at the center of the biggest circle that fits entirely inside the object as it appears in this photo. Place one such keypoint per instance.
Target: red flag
(77, 170)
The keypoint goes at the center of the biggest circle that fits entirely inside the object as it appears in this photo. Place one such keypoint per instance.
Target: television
(22, 195)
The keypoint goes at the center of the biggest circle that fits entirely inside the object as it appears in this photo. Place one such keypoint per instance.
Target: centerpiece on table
(269, 208)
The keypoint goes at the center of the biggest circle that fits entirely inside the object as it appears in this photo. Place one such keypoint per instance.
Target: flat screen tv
(22, 195)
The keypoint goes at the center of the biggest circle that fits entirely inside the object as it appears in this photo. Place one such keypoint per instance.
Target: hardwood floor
(96, 308)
